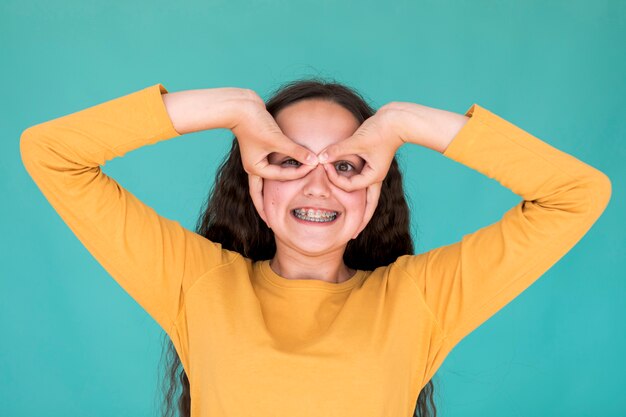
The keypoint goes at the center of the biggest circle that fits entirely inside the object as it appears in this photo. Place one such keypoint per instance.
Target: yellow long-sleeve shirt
(255, 343)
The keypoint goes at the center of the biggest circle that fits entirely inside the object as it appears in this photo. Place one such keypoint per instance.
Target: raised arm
(151, 257)
(465, 283)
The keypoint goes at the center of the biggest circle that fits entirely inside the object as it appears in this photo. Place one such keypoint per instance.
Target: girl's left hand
(376, 141)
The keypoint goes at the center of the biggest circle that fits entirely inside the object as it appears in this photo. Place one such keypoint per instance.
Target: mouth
(315, 215)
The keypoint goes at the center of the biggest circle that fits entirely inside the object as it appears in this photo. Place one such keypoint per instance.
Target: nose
(317, 183)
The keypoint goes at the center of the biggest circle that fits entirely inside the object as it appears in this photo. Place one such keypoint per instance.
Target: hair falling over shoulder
(386, 237)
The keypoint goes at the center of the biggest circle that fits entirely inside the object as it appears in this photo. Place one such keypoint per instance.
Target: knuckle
(395, 105)
(252, 95)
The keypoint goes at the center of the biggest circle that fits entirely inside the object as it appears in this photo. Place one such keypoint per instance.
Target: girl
(299, 294)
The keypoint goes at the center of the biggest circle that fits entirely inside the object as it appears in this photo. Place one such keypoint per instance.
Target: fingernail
(311, 158)
(323, 157)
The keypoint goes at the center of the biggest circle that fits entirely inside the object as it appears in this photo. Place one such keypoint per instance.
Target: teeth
(315, 215)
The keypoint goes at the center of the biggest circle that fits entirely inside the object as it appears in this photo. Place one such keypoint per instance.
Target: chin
(314, 248)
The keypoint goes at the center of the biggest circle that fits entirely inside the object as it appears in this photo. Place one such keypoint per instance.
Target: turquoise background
(74, 343)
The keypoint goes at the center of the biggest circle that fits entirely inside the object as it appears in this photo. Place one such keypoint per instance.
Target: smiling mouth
(317, 216)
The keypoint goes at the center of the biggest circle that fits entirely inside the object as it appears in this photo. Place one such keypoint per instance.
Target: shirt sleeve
(465, 283)
(154, 259)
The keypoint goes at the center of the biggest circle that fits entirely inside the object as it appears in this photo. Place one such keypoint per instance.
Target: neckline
(269, 275)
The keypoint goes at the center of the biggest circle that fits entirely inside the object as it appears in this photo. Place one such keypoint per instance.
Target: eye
(291, 162)
(344, 166)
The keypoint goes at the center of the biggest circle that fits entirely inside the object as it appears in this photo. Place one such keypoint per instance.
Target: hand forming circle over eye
(376, 141)
(258, 135)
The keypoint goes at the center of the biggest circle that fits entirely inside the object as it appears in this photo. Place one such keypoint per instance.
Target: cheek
(271, 194)
(354, 202)
(276, 196)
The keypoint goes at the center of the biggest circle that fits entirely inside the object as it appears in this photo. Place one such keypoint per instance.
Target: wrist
(204, 109)
(426, 126)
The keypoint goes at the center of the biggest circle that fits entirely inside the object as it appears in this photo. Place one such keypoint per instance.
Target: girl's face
(310, 214)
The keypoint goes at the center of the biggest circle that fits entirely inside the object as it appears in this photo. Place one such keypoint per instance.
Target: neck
(291, 264)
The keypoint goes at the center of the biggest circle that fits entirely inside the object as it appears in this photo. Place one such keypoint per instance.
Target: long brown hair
(384, 239)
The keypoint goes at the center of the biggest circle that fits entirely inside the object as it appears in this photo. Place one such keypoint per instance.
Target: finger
(335, 178)
(349, 184)
(255, 185)
(290, 148)
(371, 202)
(275, 172)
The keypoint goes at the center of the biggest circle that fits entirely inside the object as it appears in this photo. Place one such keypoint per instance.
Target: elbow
(26, 144)
(29, 147)
(604, 189)
(599, 190)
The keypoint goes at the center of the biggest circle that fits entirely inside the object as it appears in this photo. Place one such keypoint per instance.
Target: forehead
(316, 123)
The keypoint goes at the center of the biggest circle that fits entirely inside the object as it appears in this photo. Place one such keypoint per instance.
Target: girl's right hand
(258, 136)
